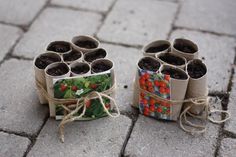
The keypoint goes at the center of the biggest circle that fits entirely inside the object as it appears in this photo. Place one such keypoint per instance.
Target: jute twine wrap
(200, 101)
(77, 104)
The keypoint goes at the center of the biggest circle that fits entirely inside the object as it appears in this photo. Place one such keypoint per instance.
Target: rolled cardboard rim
(196, 61)
(166, 66)
(73, 51)
(102, 60)
(76, 63)
(53, 65)
(150, 58)
(84, 38)
(153, 44)
(59, 42)
(171, 54)
(52, 54)
(91, 53)
(188, 56)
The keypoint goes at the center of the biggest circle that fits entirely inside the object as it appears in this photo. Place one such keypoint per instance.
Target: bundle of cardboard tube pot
(76, 80)
(171, 84)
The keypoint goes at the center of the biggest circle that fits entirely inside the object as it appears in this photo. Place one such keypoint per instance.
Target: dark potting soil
(176, 74)
(91, 56)
(149, 64)
(43, 61)
(171, 59)
(59, 47)
(158, 48)
(184, 47)
(72, 56)
(58, 70)
(80, 69)
(196, 70)
(100, 67)
(86, 44)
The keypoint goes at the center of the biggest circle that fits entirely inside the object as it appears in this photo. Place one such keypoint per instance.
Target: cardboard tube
(182, 66)
(136, 91)
(197, 87)
(89, 57)
(188, 43)
(40, 75)
(162, 46)
(178, 88)
(66, 57)
(81, 65)
(49, 82)
(84, 38)
(52, 47)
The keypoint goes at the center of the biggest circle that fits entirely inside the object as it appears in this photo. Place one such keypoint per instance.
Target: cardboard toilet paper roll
(72, 56)
(80, 68)
(55, 71)
(178, 87)
(150, 61)
(156, 47)
(172, 59)
(197, 86)
(185, 48)
(89, 57)
(85, 43)
(40, 63)
(60, 47)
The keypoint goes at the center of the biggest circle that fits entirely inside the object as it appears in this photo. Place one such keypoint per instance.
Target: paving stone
(210, 15)
(228, 148)
(9, 35)
(20, 110)
(98, 5)
(231, 124)
(56, 24)
(151, 138)
(102, 137)
(12, 145)
(20, 12)
(218, 52)
(125, 60)
(137, 22)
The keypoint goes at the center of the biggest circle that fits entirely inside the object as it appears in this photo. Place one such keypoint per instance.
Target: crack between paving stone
(175, 18)
(122, 152)
(75, 8)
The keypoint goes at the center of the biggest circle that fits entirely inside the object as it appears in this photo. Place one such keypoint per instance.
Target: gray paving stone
(56, 24)
(9, 35)
(151, 138)
(20, 12)
(210, 15)
(218, 52)
(98, 5)
(231, 124)
(20, 110)
(125, 60)
(137, 22)
(228, 148)
(102, 137)
(12, 145)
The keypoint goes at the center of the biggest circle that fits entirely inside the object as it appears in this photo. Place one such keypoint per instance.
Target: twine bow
(78, 104)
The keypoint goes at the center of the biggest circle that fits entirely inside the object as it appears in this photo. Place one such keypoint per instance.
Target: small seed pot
(156, 47)
(55, 71)
(80, 69)
(60, 47)
(185, 48)
(72, 56)
(197, 86)
(155, 63)
(40, 63)
(85, 43)
(172, 59)
(89, 57)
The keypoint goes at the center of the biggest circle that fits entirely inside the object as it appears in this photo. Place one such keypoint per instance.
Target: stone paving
(123, 26)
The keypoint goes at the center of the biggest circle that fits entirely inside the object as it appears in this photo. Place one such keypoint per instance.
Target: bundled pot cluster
(187, 74)
(82, 56)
